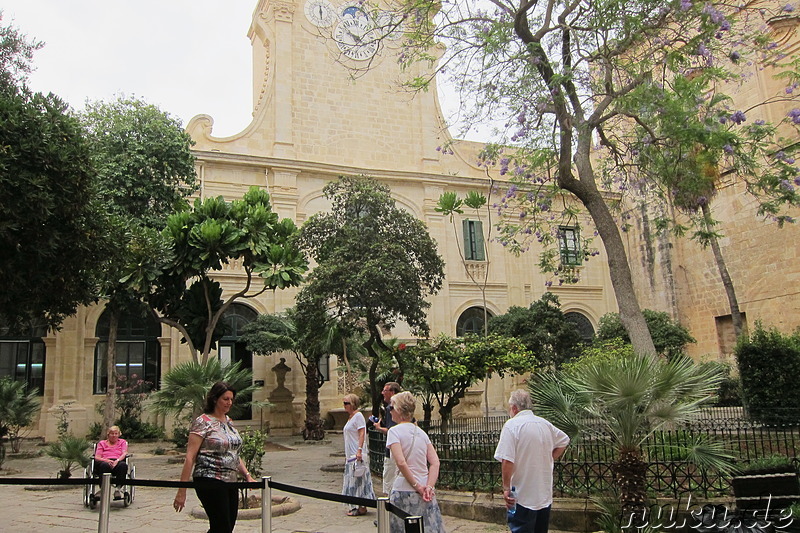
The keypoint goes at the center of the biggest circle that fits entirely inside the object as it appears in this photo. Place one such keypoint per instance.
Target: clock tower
(327, 88)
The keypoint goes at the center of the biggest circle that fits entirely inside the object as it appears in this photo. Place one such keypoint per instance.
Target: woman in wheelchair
(109, 456)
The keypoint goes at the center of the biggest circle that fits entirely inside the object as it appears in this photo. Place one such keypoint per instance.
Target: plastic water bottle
(513, 494)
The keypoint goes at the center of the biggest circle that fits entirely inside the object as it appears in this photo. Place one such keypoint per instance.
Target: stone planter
(281, 505)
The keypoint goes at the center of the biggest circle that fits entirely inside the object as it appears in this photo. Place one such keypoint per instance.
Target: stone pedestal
(281, 413)
(470, 405)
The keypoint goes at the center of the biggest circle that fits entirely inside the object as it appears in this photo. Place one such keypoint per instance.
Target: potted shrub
(767, 481)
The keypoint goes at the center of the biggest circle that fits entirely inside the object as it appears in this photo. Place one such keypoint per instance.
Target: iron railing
(466, 454)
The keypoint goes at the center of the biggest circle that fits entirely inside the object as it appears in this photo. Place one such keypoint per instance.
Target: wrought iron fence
(466, 453)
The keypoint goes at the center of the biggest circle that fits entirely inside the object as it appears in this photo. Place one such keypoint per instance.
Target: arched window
(230, 349)
(584, 326)
(471, 321)
(22, 356)
(138, 349)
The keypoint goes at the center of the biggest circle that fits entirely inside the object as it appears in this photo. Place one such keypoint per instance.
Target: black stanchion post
(105, 502)
(383, 515)
(266, 505)
(413, 524)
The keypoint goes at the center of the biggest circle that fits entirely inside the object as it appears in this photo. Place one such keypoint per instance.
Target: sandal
(361, 511)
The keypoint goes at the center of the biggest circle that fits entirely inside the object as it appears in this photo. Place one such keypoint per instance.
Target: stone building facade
(681, 277)
(320, 110)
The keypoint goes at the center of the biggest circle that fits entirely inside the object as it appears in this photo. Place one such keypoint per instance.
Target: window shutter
(480, 252)
(467, 241)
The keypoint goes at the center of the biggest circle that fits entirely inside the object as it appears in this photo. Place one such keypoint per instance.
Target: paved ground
(292, 463)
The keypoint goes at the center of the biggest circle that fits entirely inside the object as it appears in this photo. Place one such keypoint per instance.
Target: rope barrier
(302, 491)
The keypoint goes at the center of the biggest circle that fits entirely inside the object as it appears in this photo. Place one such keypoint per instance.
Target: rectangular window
(131, 360)
(23, 360)
(473, 241)
(569, 246)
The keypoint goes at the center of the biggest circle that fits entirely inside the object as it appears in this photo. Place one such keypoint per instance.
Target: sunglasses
(346, 403)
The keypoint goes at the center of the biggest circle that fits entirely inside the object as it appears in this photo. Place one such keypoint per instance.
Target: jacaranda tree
(586, 95)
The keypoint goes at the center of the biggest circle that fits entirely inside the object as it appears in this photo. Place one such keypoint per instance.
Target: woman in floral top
(212, 460)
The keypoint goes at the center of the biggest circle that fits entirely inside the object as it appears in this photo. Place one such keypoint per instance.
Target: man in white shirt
(527, 449)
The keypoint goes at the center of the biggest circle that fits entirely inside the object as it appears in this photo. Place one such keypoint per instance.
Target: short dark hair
(217, 390)
(394, 386)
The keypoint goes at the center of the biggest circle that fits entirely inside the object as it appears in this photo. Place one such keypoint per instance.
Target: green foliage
(71, 453)
(252, 450)
(631, 398)
(670, 337)
(184, 387)
(143, 158)
(446, 367)
(730, 388)
(769, 367)
(52, 227)
(203, 239)
(180, 436)
(375, 261)
(376, 264)
(18, 409)
(771, 464)
(600, 352)
(543, 330)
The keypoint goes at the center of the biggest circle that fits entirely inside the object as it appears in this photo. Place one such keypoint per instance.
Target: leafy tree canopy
(669, 336)
(376, 263)
(52, 229)
(543, 330)
(198, 242)
(445, 367)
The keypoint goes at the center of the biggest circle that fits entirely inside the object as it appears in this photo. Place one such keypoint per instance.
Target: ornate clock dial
(356, 38)
(320, 13)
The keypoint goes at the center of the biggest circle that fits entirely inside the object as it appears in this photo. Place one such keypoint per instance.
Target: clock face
(320, 13)
(356, 38)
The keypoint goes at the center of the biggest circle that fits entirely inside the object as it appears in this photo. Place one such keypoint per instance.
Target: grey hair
(521, 399)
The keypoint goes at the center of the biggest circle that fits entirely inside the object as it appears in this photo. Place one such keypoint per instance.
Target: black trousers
(119, 472)
(221, 503)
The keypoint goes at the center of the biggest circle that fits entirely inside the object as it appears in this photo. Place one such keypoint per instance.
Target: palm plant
(630, 398)
(70, 451)
(18, 408)
(184, 387)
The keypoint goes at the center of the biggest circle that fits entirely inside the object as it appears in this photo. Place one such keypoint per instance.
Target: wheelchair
(91, 491)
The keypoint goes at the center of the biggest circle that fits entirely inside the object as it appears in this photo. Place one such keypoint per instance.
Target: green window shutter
(468, 250)
(480, 252)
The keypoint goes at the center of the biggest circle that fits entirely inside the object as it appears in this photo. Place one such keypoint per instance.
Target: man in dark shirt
(389, 466)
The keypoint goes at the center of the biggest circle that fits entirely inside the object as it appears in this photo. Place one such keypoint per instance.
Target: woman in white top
(357, 479)
(418, 464)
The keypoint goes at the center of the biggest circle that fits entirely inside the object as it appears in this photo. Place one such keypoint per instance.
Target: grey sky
(189, 57)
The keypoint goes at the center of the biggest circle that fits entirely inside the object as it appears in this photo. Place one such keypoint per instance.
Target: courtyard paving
(287, 461)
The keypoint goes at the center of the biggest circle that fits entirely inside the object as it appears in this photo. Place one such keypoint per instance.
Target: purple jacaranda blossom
(723, 119)
(738, 117)
(797, 180)
(785, 185)
(760, 122)
(794, 114)
(686, 5)
(703, 50)
(788, 160)
(523, 214)
(789, 90)
(735, 56)
(728, 149)
(788, 8)
(725, 25)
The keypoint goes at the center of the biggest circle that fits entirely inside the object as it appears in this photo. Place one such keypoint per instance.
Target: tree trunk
(313, 426)
(730, 291)
(630, 471)
(111, 369)
(619, 270)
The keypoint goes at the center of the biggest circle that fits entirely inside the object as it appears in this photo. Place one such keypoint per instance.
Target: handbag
(359, 469)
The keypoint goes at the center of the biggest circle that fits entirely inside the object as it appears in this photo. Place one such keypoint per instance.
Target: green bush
(180, 436)
(70, 452)
(132, 428)
(670, 337)
(772, 464)
(769, 366)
